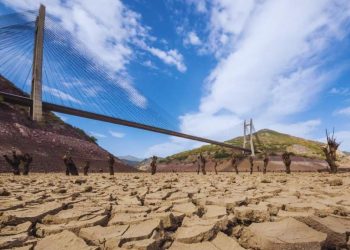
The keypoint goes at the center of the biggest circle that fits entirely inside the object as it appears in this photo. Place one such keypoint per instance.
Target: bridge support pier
(36, 110)
(245, 129)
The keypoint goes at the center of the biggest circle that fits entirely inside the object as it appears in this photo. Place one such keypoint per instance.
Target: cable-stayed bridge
(40, 57)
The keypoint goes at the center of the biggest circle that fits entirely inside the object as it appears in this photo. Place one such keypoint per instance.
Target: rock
(265, 180)
(80, 181)
(281, 202)
(232, 202)
(142, 231)
(213, 211)
(178, 196)
(206, 245)
(258, 197)
(187, 208)
(252, 213)
(15, 240)
(337, 229)
(64, 240)
(76, 213)
(59, 191)
(74, 226)
(237, 231)
(4, 192)
(32, 213)
(130, 209)
(207, 209)
(10, 204)
(87, 189)
(12, 230)
(125, 218)
(98, 235)
(335, 182)
(196, 233)
(160, 195)
(180, 201)
(168, 220)
(28, 247)
(220, 223)
(147, 244)
(223, 242)
(164, 208)
(129, 200)
(286, 234)
(281, 215)
(314, 207)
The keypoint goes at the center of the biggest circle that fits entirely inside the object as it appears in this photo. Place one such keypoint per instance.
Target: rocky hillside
(47, 141)
(308, 154)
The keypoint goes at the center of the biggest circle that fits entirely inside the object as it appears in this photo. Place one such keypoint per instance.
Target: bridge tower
(248, 127)
(36, 110)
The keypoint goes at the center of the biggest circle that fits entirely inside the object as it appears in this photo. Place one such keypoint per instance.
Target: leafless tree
(330, 151)
(287, 161)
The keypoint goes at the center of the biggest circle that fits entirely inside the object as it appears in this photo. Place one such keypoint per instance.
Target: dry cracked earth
(175, 211)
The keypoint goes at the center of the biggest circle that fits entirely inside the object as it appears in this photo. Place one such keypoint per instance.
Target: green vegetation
(164, 160)
(274, 142)
(93, 139)
(222, 154)
(51, 118)
(82, 132)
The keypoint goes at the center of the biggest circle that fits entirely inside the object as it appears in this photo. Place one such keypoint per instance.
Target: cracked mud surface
(175, 211)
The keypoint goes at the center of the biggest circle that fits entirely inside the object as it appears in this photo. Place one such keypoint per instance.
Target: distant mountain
(130, 160)
(145, 165)
(307, 151)
(272, 141)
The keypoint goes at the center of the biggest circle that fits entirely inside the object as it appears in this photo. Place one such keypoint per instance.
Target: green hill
(272, 141)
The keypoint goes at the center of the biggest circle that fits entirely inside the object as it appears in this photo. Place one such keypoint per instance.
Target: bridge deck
(26, 101)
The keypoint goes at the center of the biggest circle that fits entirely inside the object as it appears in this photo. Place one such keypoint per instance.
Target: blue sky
(212, 64)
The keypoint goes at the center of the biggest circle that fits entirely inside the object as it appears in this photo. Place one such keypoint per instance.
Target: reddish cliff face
(47, 142)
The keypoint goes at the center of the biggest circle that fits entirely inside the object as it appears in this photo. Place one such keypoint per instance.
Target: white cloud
(268, 73)
(344, 111)
(340, 91)
(200, 5)
(217, 126)
(192, 39)
(228, 19)
(97, 135)
(106, 30)
(343, 137)
(102, 29)
(60, 94)
(92, 92)
(300, 129)
(171, 57)
(173, 146)
(270, 55)
(116, 134)
(149, 64)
